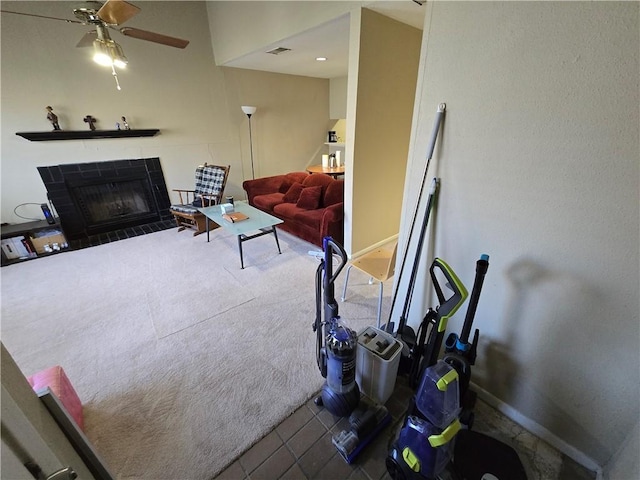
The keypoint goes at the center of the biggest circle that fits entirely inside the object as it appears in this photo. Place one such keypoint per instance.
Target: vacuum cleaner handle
(337, 248)
(448, 306)
(482, 266)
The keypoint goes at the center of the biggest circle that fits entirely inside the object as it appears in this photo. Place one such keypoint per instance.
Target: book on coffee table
(234, 217)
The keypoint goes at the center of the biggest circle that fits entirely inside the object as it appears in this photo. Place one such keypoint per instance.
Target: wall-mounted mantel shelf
(85, 134)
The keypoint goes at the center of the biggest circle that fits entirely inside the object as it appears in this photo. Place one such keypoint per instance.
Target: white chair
(379, 264)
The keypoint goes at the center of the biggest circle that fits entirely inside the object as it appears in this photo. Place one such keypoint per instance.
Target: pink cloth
(59, 383)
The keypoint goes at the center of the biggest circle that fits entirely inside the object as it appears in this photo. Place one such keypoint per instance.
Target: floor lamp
(250, 111)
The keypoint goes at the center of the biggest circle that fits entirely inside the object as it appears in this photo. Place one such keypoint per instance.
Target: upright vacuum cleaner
(424, 445)
(433, 436)
(476, 456)
(336, 343)
(336, 357)
(461, 354)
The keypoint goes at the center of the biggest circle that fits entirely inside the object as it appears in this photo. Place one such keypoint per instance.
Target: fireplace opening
(102, 197)
(114, 202)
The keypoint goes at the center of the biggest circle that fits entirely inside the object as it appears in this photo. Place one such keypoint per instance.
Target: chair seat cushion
(188, 209)
(58, 382)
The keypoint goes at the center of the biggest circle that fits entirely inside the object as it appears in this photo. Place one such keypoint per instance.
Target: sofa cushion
(293, 194)
(334, 193)
(309, 217)
(317, 179)
(299, 216)
(310, 198)
(268, 201)
(291, 178)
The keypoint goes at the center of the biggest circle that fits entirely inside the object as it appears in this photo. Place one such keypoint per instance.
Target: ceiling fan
(105, 17)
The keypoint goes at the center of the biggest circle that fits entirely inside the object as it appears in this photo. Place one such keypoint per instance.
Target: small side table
(334, 172)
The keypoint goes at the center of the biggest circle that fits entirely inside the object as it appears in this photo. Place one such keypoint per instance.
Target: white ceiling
(330, 40)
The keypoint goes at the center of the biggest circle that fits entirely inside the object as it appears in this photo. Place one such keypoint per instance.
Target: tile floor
(300, 447)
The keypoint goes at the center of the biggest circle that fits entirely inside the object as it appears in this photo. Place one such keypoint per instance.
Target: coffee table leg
(240, 249)
(207, 229)
(275, 234)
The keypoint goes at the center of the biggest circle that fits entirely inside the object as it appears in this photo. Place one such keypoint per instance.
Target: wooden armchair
(209, 189)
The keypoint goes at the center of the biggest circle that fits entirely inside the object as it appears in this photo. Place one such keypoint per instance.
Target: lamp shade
(248, 109)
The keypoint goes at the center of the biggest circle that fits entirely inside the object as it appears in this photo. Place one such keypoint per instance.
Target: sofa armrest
(332, 223)
(262, 186)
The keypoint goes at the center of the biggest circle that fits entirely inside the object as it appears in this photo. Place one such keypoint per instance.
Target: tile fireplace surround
(106, 201)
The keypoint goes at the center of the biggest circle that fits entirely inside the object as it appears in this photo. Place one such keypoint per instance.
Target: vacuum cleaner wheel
(340, 404)
(394, 469)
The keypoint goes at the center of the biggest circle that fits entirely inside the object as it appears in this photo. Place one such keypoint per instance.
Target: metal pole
(432, 143)
(253, 174)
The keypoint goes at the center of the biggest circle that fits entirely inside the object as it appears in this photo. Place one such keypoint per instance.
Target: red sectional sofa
(310, 205)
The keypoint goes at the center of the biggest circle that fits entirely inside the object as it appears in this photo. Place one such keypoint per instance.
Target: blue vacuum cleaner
(336, 357)
(436, 434)
(336, 343)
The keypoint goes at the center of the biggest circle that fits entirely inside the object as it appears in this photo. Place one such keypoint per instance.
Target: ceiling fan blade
(154, 37)
(116, 12)
(87, 39)
(41, 16)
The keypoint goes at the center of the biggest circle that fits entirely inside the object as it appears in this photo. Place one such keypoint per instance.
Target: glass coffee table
(258, 221)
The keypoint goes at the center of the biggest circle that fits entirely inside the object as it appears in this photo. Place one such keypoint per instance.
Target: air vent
(279, 50)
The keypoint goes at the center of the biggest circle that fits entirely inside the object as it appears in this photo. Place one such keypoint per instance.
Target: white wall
(625, 463)
(195, 104)
(338, 98)
(538, 158)
(238, 28)
(386, 73)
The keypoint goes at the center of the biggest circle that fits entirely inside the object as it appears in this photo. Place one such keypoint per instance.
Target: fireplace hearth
(102, 197)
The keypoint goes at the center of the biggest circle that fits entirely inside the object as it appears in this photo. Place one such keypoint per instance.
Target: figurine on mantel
(91, 121)
(53, 118)
(125, 125)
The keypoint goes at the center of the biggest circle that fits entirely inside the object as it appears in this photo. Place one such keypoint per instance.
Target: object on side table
(234, 217)
(48, 216)
(210, 182)
(44, 240)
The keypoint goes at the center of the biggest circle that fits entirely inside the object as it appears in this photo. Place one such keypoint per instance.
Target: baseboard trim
(541, 432)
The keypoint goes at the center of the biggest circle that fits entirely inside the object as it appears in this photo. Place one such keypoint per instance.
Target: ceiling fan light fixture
(117, 55)
(120, 62)
(108, 53)
(101, 54)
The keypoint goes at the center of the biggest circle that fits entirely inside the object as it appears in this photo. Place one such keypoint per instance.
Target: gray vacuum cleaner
(336, 343)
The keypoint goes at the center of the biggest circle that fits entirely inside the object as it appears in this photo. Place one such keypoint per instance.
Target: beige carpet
(182, 359)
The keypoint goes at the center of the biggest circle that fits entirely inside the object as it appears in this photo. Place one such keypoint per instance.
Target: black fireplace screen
(100, 197)
(113, 201)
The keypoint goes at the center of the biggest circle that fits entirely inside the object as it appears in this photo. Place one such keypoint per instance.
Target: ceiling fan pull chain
(115, 76)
